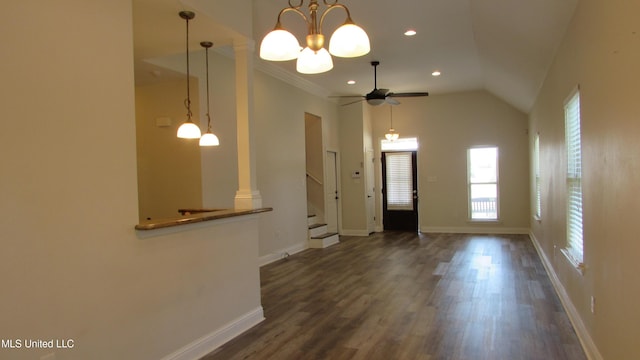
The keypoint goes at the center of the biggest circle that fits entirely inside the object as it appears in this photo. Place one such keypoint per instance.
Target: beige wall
(169, 169)
(73, 267)
(446, 126)
(280, 159)
(601, 54)
(351, 134)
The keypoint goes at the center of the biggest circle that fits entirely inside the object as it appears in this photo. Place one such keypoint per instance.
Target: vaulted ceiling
(502, 46)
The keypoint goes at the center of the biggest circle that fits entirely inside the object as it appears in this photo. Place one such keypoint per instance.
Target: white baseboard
(474, 230)
(277, 255)
(348, 232)
(589, 347)
(206, 344)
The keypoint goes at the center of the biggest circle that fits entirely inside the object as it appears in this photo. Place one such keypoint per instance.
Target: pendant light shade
(209, 139)
(314, 62)
(188, 130)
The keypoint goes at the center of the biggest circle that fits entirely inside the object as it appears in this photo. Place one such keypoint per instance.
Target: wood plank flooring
(397, 295)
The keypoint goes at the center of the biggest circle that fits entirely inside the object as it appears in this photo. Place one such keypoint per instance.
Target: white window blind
(574, 248)
(399, 181)
(536, 164)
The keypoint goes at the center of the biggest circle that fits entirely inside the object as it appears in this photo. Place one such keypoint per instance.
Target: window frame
(470, 184)
(574, 246)
(537, 210)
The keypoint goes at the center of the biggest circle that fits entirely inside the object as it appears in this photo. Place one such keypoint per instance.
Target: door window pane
(399, 181)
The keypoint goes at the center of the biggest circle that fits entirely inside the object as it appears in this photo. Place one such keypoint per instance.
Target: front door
(399, 191)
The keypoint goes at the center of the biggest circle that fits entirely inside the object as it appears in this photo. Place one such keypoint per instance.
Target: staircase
(319, 237)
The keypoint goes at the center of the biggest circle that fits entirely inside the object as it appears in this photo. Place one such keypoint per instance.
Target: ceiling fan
(380, 96)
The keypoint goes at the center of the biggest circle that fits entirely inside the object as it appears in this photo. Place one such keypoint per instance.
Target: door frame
(415, 211)
(338, 222)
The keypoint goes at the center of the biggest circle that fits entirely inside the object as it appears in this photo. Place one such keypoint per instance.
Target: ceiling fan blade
(346, 96)
(353, 102)
(392, 101)
(383, 91)
(408, 94)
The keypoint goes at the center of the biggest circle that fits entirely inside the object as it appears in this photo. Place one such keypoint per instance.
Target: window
(536, 169)
(402, 144)
(399, 181)
(574, 249)
(483, 183)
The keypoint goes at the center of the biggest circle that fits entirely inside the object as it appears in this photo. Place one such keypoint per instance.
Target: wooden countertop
(196, 216)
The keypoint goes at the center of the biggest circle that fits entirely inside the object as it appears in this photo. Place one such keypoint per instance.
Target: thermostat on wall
(163, 121)
(355, 174)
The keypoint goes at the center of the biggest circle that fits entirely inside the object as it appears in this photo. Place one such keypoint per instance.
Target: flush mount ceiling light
(188, 130)
(209, 138)
(391, 135)
(349, 40)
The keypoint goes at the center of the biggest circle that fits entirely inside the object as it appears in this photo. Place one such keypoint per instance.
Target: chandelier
(349, 40)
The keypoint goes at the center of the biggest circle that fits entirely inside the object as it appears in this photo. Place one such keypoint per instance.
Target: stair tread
(314, 226)
(325, 235)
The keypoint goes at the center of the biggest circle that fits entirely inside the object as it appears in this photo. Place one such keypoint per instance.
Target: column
(247, 196)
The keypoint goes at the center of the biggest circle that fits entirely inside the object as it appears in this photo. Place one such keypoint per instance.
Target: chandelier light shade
(314, 62)
(188, 130)
(349, 40)
(209, 138)
(391, 135)
(279, 45)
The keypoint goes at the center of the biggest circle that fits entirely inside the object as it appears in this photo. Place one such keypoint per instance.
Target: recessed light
(351, 82)
(410, 32)
(436, 73)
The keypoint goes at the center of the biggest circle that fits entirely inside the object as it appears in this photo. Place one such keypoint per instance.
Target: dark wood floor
(399, 295)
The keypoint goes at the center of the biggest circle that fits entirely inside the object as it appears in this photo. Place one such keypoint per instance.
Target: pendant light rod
(188, 130)
(188, 15)
(206, 45)
(208, 138)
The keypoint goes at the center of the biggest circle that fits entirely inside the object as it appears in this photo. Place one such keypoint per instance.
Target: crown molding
(279, 73)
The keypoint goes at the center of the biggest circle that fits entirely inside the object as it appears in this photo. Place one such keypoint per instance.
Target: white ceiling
(503, 46)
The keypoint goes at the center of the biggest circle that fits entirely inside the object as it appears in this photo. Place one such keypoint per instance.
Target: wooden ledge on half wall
(197, 215)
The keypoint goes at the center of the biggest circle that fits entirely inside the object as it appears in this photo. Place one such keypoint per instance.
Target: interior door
(370, 191)
(399, 191)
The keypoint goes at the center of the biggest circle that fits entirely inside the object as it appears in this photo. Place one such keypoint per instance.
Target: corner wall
(600, 53)
(73, 266)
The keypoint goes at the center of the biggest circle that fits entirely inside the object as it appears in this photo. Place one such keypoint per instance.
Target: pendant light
(391, 135)
(349, 40)
(208, 139)
(188, 130)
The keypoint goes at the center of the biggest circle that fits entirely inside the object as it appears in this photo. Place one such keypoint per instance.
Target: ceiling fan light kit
(349, 40)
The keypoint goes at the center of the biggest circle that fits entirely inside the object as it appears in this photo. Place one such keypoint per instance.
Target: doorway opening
(400, 185)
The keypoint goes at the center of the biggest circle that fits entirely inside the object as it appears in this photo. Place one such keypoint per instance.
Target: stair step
(324, 236)
(315, 226)
(324, 240)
